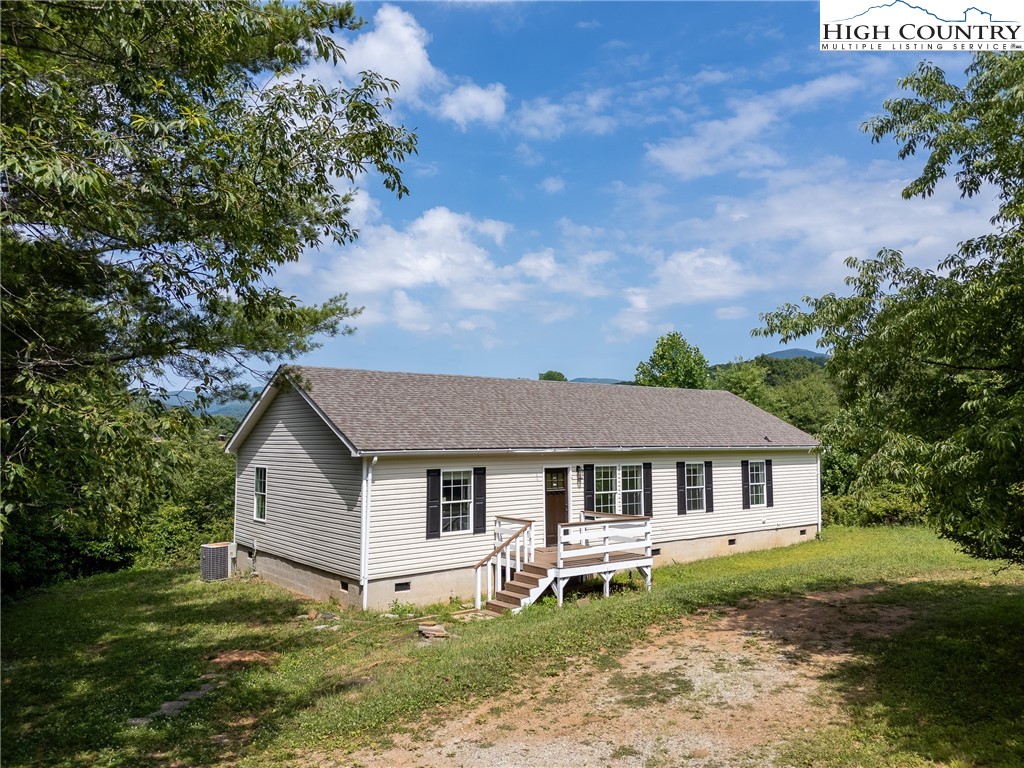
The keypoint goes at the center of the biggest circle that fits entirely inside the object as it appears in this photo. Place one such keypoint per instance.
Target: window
(756, 479)
(605, 489)
(695, 496)
(456, 500)
(632, 490)
(260, 494)
(619, 489)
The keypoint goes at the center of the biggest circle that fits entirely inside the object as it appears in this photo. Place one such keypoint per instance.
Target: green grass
(81, 659)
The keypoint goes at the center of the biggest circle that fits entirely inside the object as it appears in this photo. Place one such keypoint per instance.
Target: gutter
(582, 449)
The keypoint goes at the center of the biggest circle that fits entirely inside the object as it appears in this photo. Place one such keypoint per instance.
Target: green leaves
(932, 360)
(674, 363)
(159, 162)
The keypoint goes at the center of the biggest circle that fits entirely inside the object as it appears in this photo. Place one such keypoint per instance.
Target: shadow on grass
(950, 686)
(83, 658)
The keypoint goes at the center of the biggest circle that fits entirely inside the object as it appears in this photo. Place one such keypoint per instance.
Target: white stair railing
(514, 542)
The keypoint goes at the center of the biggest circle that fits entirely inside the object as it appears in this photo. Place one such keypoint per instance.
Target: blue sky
(592, 175)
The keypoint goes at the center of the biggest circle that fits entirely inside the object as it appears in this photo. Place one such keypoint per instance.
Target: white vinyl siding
(695, 487)
(399, 546)
(515, 487)
(313, 489)
(795, 481)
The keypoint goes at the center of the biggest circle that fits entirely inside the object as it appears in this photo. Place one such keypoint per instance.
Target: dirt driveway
(723, 687)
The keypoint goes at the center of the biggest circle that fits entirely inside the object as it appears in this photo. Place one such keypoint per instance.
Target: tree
(552, 376)
(810, 403)
(160, 161)
(674, 363)
(747, 380)
(933, 359)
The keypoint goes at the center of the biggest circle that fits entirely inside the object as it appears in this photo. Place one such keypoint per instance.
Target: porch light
(579, 475)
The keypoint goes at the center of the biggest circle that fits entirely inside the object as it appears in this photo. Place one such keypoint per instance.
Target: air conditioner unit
(216, 561)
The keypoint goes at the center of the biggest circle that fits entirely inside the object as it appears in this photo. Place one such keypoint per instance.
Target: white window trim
(257, 494)
(703, 486)
(763, 484)
(469, 529)
(618, 486)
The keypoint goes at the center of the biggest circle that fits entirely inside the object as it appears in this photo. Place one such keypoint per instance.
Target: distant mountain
(597, 381)
(233, 408)
(789, 354)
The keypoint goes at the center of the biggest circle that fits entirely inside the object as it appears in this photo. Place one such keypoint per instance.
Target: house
(371, 487)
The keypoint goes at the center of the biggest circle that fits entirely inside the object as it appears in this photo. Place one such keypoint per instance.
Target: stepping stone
(171, 708)
(139, 721)
(189, 695)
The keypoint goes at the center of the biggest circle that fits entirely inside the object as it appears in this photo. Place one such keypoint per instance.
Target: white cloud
(396, 47)
(471, 103)
(527, 155)
(587, 112)
(732, 313)
(439, 248)
(552, 184)
(411, 315)
(685, 277)
(736, 142)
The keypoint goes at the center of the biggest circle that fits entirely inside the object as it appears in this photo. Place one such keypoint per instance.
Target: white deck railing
(514, 542)
(604, 535)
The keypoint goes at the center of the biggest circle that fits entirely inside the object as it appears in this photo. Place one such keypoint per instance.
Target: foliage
(160, 161)
(932, 358)
(552, 376)
(135, 639)
(747, 380)
(809, 403)
(782, 370)
(200, 507)
(674, 363)
(884, 506)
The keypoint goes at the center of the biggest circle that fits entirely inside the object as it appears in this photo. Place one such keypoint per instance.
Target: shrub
(884, 506)
(173, 537)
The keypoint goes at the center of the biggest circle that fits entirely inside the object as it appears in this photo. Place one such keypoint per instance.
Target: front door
(556, 503)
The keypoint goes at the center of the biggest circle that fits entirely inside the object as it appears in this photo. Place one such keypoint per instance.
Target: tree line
(161, 160)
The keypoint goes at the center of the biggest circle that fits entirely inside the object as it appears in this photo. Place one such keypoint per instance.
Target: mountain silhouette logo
(986, 17)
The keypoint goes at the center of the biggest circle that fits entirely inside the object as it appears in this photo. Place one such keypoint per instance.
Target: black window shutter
(648, 490)
(745, 471)
(768, 492)
(588, 487)
(479, 499)
(680, 487)
(709, 488)
(433, 503)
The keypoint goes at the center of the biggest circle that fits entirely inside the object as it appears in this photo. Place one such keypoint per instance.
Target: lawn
(81, 659)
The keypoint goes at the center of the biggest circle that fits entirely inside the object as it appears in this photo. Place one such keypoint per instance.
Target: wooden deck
(594, 547)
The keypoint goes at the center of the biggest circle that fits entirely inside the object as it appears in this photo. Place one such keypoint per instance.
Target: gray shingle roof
(380, 412)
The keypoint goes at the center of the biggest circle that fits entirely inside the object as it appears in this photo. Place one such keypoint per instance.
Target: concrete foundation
(304, 579)
(442, 586)
(689, 550)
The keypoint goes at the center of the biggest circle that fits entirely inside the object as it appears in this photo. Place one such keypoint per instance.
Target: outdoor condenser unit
(215, 560)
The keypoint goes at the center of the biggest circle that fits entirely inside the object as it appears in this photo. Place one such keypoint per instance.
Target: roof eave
(581, 449)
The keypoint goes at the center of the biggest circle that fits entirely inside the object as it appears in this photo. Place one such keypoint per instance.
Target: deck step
(535, 570)
(502, 606)
(518, 588)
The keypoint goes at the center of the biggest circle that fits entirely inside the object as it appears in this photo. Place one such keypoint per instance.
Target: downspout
(364, 544)
(818, 457)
